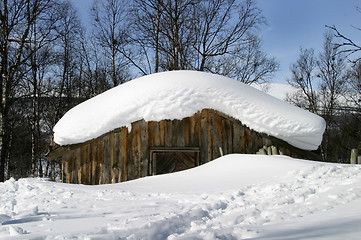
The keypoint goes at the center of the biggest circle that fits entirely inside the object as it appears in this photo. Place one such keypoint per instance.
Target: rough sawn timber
(121, 155)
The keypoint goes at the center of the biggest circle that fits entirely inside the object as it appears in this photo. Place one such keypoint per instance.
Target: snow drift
(180, 94)
(233, 197)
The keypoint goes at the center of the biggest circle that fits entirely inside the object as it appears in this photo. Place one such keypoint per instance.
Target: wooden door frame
(153, 150)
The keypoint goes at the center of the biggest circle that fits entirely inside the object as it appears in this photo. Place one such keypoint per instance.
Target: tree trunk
(34, 104)
(157, 30)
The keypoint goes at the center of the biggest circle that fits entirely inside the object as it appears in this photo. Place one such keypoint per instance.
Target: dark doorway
(168, 160)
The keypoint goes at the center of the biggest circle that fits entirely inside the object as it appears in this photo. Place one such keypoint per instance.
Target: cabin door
(173, 160)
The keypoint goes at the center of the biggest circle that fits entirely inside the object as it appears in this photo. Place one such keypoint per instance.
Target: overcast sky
(292, 24)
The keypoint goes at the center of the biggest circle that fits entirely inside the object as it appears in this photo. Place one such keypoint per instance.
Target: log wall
(121, 155)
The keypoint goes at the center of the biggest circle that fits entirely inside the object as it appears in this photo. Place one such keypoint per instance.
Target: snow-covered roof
(180, 94)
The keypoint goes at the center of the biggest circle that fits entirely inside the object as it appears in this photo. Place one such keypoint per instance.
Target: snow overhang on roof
(180, 94)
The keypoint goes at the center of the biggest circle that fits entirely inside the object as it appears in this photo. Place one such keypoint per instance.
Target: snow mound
(237, 196)
(228, 172)
(180, 94)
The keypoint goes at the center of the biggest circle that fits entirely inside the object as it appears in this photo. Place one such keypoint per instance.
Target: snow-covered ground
(233, 197)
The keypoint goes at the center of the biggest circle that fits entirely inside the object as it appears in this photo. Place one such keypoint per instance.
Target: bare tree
(346, 44)
(303, 78)
(332, 73)
(320, 82)
(223, 27)
(146, 17)
(248, 63)
(331, 66)
(17, 18)
(68, 47)
(354, 85)
(208, 35)
(110, 27)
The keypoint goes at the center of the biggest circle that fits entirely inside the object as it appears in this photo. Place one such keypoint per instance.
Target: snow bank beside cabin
(237, 196)
(180, 94)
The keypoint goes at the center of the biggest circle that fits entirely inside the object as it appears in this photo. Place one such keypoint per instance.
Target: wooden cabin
(165, 146)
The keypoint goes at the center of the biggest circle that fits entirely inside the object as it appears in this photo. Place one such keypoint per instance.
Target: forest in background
(49, 64)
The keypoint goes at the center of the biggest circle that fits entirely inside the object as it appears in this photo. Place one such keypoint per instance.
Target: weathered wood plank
(73, 168)
(66, 173)
(117, 161)
(162, 132)
(178, 134)
(89, 164)
(95, 163)
(123, 153)
(112, 165)
(214, 135)
(187, 133)
(156, 134)
(168, 133)
(136, 149)
(209, 136)
(204, 137)
(131, 154)
(83, 155)
(150, 134)
(102, 167)
(236, 138)
(144, 160)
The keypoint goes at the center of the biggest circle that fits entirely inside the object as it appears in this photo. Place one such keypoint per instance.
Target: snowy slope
(233, 197)
(179, 94)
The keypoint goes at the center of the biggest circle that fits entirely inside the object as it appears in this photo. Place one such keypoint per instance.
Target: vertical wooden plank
(95, 167)
(162, 132)
(242, 139)
(218, 134)
(227, 136)
(144, 160)
(254, 142)
(89, 164)
(83, 155)
(209, 135)
(135, 148)
(66, 174)
(72, 168)
(198, 130)
(151, 143)
(150, 134)
(69, 167)
(116, 153)
(156, 134)
(186, 123)
(130, 154)
(236, 140)
(112, 165)
(179, 133)
(213, 135)
(204, 137)
(106, 167)
(123, 153)
(102, 167)
(247, 141)
(194, 130)
(168, 133)
(77, 166)
(99, 159)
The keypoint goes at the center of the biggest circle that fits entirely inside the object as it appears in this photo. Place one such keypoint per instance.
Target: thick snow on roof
(180, 94)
